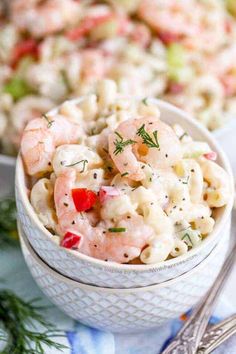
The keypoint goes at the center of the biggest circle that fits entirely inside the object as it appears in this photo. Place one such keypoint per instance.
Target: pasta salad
(113, 181)
(51, 50)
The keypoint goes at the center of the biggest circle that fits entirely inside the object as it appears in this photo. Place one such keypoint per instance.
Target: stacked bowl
(124, 297)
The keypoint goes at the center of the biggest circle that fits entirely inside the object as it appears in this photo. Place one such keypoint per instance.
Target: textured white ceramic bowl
(92, 271)
(126, 310)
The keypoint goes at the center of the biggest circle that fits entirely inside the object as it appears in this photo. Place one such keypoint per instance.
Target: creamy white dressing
(166, 204)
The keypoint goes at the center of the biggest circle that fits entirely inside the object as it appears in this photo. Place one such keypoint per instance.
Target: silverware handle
(217, 334)
(189, 337)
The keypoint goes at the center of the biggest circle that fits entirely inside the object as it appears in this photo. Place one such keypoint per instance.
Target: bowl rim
(19, 179)
(88, 287)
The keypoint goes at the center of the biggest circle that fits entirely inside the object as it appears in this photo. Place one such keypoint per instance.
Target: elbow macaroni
(217, 194)
(41, 198)
(156, 212)
(191, 170)
(106, 91)
(80, 157)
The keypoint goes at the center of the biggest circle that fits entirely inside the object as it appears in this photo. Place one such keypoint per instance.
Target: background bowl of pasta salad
(126, 310)
(89, 270)
(182, 52)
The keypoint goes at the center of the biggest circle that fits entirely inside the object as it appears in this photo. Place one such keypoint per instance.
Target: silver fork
(189, 337)
(216, 335)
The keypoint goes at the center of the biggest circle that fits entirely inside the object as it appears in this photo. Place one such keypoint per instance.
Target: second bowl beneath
(126, 310)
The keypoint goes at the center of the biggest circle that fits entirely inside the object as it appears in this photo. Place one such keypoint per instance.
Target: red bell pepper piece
(71, 240)
(141, 35)
(211, 156)
(83, 199)
(27, 47)
(168, 37)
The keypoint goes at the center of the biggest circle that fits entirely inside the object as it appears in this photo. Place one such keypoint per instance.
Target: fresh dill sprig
(147, 139)
(124, 174)
(117, 229)
(183, 135)
(144, 101)
(7, 222)
(65, 80)
(189, 227)
(186, 181)
(186, 236)
(50, 122)
(120, 143)
(76, 163)
(19, 319)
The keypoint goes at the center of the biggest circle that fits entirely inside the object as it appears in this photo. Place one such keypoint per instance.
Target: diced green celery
(195, 149)
(176, 55)
(17, 88)
(191, 237)
(176, 61)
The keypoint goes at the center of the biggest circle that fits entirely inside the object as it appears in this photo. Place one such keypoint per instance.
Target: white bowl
(97, 272)
(126, 310)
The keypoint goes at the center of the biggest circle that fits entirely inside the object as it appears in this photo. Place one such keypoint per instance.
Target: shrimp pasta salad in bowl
(111, 186)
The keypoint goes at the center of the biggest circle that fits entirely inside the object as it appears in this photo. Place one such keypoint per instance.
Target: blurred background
(181, 51)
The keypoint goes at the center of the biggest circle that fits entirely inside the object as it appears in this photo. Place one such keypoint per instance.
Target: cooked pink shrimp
(43, 18)
(96, 240)
(93, 64)
(40, 138)
(169, 17)
(186, 21)
(28, 108)
(144, 139)
(141, 34)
